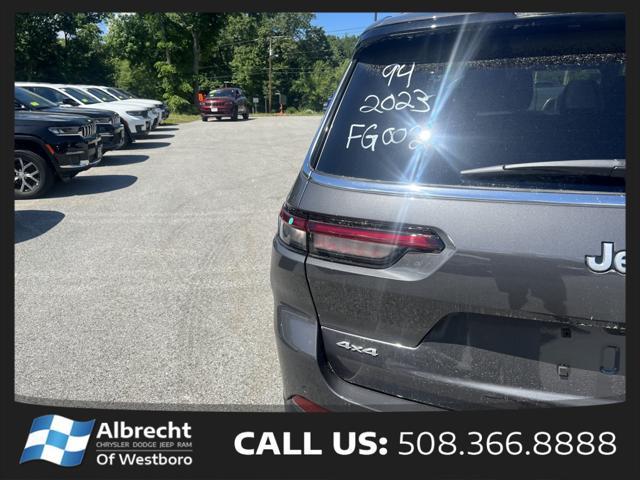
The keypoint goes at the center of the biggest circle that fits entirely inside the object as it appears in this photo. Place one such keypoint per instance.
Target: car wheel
(245, 116)
(128, 139)
(218, 118)
(234, 115)
(32, 175)
(204, 119)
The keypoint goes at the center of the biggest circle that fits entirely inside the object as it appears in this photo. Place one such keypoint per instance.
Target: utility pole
(270, 55)
(270, 70)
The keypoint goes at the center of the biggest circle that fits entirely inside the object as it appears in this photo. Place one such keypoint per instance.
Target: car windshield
(226, 92)
(31, 100)
(81, 96)
(101, 94)
(420, 110)
(117, 94)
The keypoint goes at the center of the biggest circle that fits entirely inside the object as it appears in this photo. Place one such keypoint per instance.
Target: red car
(224, 102)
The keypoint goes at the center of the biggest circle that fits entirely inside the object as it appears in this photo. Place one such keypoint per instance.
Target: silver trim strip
(461, 193)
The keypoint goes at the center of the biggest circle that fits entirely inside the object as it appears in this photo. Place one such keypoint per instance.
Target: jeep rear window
(421, 109)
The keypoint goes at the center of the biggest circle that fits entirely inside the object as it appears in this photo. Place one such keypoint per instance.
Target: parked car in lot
(224, 102)
(326, 104)
(152, 113)
(108, 124)
(102, 95)
(136, 122)
(49, 146)
(110, 94)
(449, 243)
(123, 95)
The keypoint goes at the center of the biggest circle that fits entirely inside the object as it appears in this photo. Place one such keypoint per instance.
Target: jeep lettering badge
(607, 260)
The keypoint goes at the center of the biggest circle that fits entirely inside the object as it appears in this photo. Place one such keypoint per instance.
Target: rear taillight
(353, 241)
(292, 229)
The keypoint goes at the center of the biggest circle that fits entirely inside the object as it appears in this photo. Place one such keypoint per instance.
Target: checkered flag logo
(57, 440)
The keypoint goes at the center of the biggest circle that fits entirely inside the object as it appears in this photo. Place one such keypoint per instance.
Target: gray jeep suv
(456, 236)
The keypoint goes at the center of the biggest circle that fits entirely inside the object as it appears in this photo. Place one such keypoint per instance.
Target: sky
(335, 23)
(344, 23)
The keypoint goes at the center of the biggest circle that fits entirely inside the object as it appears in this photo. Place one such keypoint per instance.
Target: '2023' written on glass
(416, 100)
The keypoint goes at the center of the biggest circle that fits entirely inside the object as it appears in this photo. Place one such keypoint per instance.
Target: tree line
(171, 56)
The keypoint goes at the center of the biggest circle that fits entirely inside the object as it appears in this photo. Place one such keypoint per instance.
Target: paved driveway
(145, 281)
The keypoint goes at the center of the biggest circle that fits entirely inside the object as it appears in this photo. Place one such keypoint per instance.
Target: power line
(244, 42)
(346, 29)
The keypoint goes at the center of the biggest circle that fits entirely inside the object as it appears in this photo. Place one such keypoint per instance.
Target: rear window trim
(556, 197)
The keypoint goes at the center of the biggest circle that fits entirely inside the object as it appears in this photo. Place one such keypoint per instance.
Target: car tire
(204, 119)
(33, 175)
(128, 139)
(234, 115)
(245, 116)
(218, 118)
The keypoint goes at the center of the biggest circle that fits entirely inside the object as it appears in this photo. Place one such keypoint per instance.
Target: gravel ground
(144, 282)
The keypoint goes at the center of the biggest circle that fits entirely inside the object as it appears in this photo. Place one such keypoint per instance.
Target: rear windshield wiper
(602, 168)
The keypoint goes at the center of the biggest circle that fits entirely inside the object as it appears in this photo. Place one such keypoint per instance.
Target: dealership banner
(55, 442)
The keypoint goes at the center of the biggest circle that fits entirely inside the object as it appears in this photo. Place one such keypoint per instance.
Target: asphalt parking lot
(144, 282)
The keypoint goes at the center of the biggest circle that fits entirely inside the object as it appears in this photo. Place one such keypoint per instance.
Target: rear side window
(420, 110)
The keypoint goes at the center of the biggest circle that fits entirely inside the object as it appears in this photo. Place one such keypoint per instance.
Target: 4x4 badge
(607, 260)
(358, 349)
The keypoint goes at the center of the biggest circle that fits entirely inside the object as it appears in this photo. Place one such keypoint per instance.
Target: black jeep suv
(49, 146)
(108, 124)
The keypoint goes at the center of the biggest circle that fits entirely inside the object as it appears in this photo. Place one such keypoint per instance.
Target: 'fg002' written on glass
(415, 100)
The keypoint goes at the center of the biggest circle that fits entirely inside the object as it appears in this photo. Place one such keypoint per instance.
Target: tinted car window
(49, 93)
(411, 115)
(81, 96)
(102, 95)
(227, 92)
(116, 93)
(31, 100)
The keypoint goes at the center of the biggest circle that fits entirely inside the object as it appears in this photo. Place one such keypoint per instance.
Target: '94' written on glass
(416, 101)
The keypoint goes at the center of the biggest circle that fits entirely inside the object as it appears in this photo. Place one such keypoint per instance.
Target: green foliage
(313, 88)
(179, 104)
(62, 47)
(170, 56)
(37, 50)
